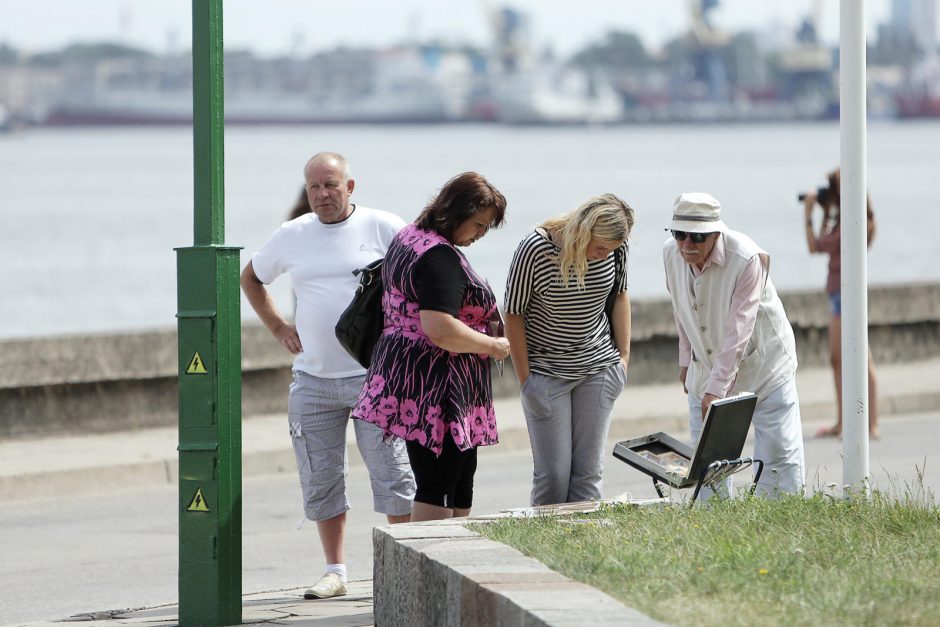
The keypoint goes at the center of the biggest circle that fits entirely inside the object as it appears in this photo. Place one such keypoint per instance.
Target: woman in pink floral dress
(429, 382)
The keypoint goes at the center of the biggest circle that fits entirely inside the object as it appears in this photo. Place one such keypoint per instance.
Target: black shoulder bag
(360, 325)
(609, 305)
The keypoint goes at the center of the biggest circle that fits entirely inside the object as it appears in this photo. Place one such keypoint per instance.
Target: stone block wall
(113, 382)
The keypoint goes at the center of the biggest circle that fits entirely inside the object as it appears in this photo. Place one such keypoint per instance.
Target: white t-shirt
(320, 259)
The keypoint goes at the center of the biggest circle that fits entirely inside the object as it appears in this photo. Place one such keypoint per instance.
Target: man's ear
(350, 185)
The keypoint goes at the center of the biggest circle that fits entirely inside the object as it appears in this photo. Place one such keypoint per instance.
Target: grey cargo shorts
(318, 414)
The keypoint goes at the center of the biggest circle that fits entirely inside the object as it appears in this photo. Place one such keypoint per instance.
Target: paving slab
(50, 466)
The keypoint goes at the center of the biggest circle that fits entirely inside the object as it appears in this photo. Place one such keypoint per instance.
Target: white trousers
(778, 440)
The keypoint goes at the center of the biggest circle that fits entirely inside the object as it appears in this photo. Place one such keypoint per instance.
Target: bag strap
(618, 269)
(368, 272)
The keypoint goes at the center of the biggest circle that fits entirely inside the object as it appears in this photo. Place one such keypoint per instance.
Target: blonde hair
(606, 217)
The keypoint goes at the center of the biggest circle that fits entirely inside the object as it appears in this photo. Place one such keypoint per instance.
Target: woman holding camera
(827, 239)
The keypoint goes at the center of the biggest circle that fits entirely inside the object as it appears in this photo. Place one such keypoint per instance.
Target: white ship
(920, 95)
(527, 90)
(399, 90)
(561, 96)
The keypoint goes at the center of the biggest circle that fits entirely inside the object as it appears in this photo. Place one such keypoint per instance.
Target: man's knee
(393, 483)
(322, 501)
(322, 473)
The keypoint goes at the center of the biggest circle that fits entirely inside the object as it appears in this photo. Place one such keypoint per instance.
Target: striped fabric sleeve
(624, 283)
(521, 277)
(567, 331)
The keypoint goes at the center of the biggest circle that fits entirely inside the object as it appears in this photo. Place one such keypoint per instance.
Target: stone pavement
(45, 467)
(131, 458)
(277, 607)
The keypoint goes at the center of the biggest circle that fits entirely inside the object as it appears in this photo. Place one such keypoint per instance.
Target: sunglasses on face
(697, 238)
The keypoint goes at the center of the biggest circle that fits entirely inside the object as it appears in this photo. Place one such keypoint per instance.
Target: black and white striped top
(567, 332)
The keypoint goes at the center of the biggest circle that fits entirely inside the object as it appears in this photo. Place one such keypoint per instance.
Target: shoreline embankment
(70, 385)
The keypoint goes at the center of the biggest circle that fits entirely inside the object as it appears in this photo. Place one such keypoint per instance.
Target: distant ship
(924, 105)
(559, 96)
(400, 91)
(920, 95)
(400, 103)
(530, 90)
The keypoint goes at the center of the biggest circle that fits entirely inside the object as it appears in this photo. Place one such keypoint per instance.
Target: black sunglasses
(698, 238)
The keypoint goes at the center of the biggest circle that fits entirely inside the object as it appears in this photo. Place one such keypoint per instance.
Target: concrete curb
(444, 574)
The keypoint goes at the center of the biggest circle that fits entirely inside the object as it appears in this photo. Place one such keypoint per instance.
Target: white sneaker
(330, 585)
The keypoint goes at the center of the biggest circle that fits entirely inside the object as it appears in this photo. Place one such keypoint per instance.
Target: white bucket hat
(696, 212)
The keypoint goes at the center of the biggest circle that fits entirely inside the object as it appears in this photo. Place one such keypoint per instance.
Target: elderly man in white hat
(734, 335)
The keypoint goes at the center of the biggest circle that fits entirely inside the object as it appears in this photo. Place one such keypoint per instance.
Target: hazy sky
(279, 26)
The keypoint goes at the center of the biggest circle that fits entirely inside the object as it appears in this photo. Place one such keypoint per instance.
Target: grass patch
(751, 561)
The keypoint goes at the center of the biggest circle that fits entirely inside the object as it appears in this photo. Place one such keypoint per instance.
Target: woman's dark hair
(302, 206)
(835, 191)
(461, 197)
(833, 204)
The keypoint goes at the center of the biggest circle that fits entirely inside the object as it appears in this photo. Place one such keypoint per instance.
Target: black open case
(717, 456)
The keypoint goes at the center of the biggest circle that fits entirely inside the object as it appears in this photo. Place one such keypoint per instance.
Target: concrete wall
(98, 383)
(903, 325)
(440, 573)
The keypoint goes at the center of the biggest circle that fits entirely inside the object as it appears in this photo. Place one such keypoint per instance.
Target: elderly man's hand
(707, 402)
(682, 374)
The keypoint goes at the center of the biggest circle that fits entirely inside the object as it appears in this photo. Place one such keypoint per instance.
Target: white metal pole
(854, 225)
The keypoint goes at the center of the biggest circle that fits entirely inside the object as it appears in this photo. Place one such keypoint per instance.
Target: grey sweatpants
(568, 422)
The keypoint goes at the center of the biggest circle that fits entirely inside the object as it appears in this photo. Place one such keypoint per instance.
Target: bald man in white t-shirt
(320, 250)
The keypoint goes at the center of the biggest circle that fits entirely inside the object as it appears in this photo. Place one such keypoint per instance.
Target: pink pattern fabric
(414, 389)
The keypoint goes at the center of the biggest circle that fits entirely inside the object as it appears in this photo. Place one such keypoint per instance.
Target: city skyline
(279, 27)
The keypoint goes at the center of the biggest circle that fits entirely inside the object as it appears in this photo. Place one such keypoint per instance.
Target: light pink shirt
(744, 305)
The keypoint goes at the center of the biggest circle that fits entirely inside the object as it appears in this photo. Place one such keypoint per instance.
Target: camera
(822, 196)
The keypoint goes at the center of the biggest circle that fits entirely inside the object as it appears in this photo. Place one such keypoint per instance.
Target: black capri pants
(445, 480)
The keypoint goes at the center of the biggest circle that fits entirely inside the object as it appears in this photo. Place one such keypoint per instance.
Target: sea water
(89, 217)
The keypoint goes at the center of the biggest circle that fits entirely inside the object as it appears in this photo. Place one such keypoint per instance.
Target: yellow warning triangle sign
(195, 365)
(198, 502)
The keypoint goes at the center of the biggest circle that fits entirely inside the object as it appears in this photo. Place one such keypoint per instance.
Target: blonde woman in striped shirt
(568, 324)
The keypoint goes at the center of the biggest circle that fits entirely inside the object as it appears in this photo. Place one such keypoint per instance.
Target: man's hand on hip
(287, 337)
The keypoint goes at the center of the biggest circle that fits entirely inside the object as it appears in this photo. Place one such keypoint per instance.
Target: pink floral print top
(415, 389)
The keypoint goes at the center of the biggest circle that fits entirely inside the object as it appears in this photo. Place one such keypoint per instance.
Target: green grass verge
(751, 561)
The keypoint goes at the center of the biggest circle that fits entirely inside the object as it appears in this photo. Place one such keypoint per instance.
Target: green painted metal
(208, 122)
(209, 338)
